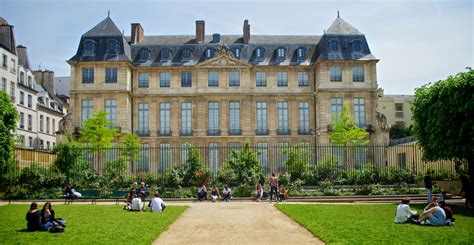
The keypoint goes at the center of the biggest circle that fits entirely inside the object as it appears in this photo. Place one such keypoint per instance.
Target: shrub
(243, 191)
(297, 162)
(172, 178)
(369, 189)
(245, 166)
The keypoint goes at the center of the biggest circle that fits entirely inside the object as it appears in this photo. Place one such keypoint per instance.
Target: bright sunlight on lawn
(89, 224)
(373, 223)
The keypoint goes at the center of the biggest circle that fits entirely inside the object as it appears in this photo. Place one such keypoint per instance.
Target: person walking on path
(428, 185)
(273, 187)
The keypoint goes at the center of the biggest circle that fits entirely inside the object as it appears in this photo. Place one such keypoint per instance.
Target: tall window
(336, 109)
(282, 79)
(234, 78)
(22, 120)
(185, 150)
(261, 79)
(47, 125)
(41, 123)
(87, 75)
(30, 122)
(4, 84)
(282, 155)
(213, 118)
(22, 98)
(165, 54)
(30, 81)
(5, 61)
(280, 54)
(335, 74)
(186, 118)
(165, 79)
(359, 111)
(143, 158)
(302, 78)
(214, 156)
(54, 126)
(12, 91)
(209, 53)
(87, 109)
(262, 150)
(165, 119)
(304, 117)
(283, 118)
(111, 110)
(301, 54)
(143, 118)
(143, 80)
(262, 127)
(165, 156)
(186, 79)
(110, 75)
(237, 53)
(213, 79)
(234, 117)
(358, 74)
(30, 101)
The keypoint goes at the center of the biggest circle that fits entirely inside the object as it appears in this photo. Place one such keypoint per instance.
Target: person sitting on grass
(142, 190)
(259, 193)
(227, 193)
(33, 218)
(448, 211)
(215, 194)
(47, 216)
(137, 203)
(404, 213)
(202, 192)
(433, 203)
(283, 194)
(157, 204)
(433, 216)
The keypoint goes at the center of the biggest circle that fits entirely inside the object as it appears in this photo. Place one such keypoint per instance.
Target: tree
(297, 162)
(443, 114)
(345, 131)
(398, 131)
(8, 119)
(244, 164)
(129, 149)
(97, 132)
(68, 153)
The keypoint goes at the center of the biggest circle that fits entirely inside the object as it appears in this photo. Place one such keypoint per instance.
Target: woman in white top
(157, 204)
(404, 213)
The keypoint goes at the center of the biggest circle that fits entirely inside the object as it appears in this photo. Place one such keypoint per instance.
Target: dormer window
(112, 47)
(89, 47)
(209, 53)
(356, 46)
(333, 46)
(280, 54)
(186, 55)
(301, 53)
(237, 53)
(260, 53)
(144, 54)
(165, 54)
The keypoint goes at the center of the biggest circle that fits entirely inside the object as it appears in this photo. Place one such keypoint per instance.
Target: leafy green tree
(399, 130)
(346, 132)
(193, 168)
(244, 163)
(68, 154)
(443, 114)
(8, 119)
(297, 163)
(97, 132)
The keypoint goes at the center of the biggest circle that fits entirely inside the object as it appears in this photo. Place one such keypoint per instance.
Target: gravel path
(235, 223)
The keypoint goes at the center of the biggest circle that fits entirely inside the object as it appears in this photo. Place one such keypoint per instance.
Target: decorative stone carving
(223, 58)
(381, 122)
(65, 124)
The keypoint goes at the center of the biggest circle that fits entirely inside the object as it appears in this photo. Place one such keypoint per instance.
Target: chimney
(137, 33)
(46, 79)
(246, 30)
(200, 31)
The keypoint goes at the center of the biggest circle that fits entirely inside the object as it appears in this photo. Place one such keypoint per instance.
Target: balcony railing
(262, 132)
(213, 132)
(235, 132)
(143, 132)
(186, 133)
(283, 132)
(164, 132)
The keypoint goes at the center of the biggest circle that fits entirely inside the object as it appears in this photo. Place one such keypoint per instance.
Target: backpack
(58, 226)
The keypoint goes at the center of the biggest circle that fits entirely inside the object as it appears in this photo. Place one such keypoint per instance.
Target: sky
(417, 41)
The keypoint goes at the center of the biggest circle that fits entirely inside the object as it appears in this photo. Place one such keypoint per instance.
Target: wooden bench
(90, 194)
(119, 194)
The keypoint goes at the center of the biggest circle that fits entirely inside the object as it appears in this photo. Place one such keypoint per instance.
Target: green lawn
(373, 224)
(89, 224)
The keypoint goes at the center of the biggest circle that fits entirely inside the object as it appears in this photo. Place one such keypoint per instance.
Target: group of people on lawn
(136, 199)
(436, 213)
(44, 219)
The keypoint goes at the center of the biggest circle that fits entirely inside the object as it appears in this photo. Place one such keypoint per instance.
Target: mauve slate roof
(62, 85)
(316, 47)
(7, 37)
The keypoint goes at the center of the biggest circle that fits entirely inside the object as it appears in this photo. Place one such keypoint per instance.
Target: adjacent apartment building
(223, 90)
(32, 92)
(396, 109)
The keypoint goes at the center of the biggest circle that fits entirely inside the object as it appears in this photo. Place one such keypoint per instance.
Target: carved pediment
(223, 58)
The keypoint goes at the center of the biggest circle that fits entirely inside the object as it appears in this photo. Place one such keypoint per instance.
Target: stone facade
(397, 109)
(295, 57)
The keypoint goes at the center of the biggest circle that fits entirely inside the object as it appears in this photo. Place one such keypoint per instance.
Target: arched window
(144, 54)
(333, 46)
(165, 54)
(356, 46)
(89, 47)
(112, 47)
(186, 54)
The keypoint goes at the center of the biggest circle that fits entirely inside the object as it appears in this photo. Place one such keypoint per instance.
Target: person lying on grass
(157, 204)
(33, 218)
(404, 213)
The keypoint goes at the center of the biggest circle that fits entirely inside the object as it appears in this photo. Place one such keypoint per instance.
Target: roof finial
(337, 13)
(108, 13)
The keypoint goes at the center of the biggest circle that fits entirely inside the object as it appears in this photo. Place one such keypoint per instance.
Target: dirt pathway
(235, 223)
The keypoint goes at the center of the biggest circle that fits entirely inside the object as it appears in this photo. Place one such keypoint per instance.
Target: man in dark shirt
(428, 185)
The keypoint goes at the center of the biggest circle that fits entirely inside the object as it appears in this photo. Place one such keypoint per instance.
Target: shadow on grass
(457, 210)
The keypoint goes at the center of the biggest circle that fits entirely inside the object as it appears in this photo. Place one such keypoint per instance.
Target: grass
(373, 224)
(89, 224)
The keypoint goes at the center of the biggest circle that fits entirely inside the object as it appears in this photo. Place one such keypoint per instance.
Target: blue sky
(416, 41)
